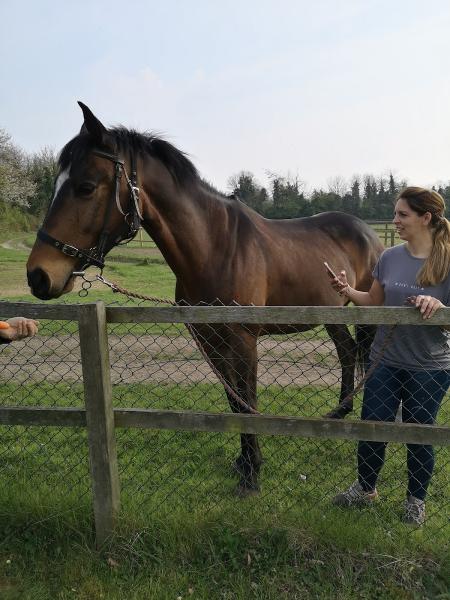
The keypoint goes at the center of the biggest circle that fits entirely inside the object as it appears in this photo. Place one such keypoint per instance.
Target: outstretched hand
(19, 328)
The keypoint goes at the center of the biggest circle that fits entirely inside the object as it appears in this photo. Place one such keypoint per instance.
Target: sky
(313, 89)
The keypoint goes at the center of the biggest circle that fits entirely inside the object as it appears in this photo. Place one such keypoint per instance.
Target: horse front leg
(232, 351)
(248, 464)
(242, 369)
(346, 350)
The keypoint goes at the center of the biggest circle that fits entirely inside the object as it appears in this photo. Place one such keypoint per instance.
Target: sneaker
(414, 511)
(355, 496)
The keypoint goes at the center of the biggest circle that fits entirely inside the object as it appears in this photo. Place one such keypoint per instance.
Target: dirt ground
(163, 359)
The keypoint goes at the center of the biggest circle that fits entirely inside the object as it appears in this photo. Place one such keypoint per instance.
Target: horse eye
(85, 189)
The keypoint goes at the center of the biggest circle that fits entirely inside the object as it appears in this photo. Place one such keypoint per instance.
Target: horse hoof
(340, 412)
(242, 491)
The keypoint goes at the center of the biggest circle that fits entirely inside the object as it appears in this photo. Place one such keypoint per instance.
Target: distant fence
(142, 240)
(385, 231)
(101, 418)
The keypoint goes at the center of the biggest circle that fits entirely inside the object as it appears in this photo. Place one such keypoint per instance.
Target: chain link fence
(159, 366)
(43, 468)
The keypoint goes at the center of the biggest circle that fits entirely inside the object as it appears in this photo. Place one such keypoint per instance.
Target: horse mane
(129, 140)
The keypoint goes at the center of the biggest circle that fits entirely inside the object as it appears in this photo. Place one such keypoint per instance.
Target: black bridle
(133, 218)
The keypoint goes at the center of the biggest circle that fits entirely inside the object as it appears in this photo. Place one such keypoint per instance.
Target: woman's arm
(374, 297)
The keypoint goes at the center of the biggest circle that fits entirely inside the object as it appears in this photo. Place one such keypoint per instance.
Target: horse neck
(183, 222)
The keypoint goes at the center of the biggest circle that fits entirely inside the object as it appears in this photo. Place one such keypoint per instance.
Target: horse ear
(91, 124)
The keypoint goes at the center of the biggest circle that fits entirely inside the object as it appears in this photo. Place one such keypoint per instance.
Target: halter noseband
(96, 255)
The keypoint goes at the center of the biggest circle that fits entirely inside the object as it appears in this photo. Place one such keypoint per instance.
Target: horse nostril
(39, 282)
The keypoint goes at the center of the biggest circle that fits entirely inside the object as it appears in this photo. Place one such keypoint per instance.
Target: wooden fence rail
(101, 418)
(139, 418)
(385, 231)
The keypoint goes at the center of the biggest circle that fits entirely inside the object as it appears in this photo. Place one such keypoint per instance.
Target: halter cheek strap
(95, 256)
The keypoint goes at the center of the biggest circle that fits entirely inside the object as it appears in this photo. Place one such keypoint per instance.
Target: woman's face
(408, 223)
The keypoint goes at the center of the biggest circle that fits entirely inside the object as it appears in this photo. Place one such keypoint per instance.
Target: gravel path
(151, 359)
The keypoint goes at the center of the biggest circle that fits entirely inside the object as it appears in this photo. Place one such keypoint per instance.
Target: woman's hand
(19, 328)
(340, 284)
(426, 304)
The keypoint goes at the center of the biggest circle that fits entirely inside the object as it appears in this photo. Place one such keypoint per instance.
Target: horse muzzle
(42, 286)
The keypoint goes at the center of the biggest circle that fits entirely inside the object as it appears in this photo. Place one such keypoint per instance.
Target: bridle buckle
(69, 250)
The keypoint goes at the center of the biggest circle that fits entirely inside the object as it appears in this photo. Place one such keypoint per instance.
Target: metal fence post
(99, 417)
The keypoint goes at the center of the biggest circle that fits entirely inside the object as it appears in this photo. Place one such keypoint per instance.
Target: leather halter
(96, 255)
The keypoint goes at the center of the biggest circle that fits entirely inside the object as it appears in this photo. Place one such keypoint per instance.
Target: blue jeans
(421, 393)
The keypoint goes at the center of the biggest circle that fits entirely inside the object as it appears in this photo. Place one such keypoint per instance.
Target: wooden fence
(385, 231)
(142, 240)
(101, 418)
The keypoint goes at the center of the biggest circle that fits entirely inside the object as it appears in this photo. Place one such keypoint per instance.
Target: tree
(42, 170)
(444, 191)
(245, 187)
(337, 186)
(322, 201)
(288, 200)
(385, 199)
(352, 202)
(369, 207)
(393, 186)
(16, 187)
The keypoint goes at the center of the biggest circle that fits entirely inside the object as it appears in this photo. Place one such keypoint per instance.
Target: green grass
(223, 548)
(178, 556)
(181, 473)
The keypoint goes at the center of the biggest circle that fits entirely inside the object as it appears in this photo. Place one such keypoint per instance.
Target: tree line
(27, 180)
(368, 197)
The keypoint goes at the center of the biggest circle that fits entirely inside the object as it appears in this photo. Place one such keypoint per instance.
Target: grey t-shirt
(412, 346)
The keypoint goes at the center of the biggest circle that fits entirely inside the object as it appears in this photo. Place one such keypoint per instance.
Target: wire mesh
(298, 375)
(160, 366)
(42, 464)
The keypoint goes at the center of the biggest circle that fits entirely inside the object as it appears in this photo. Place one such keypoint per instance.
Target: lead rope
(87, 284)
(117, 289)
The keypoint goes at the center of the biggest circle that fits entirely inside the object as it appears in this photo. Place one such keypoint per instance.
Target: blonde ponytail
(437, 266)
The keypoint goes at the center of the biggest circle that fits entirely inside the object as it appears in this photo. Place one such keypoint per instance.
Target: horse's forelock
(77, 149)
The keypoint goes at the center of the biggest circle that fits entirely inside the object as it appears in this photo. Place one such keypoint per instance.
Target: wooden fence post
(99, 418)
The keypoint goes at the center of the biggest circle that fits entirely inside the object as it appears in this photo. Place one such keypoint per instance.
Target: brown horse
(218, 248)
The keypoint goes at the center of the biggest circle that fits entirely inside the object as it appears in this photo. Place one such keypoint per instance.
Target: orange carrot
(4, 325)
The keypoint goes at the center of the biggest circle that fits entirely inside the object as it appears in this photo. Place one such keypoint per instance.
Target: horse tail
(364, 337)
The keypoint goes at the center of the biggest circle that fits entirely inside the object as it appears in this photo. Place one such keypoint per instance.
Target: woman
(414, 368)
(19, 328)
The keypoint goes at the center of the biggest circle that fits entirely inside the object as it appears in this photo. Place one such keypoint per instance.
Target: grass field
(182, 528)
(182, 533)
(142, 271)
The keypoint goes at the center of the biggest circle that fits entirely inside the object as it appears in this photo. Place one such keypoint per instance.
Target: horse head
(95, 205)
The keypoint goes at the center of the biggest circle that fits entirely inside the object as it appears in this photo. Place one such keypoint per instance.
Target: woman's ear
(427, 218)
